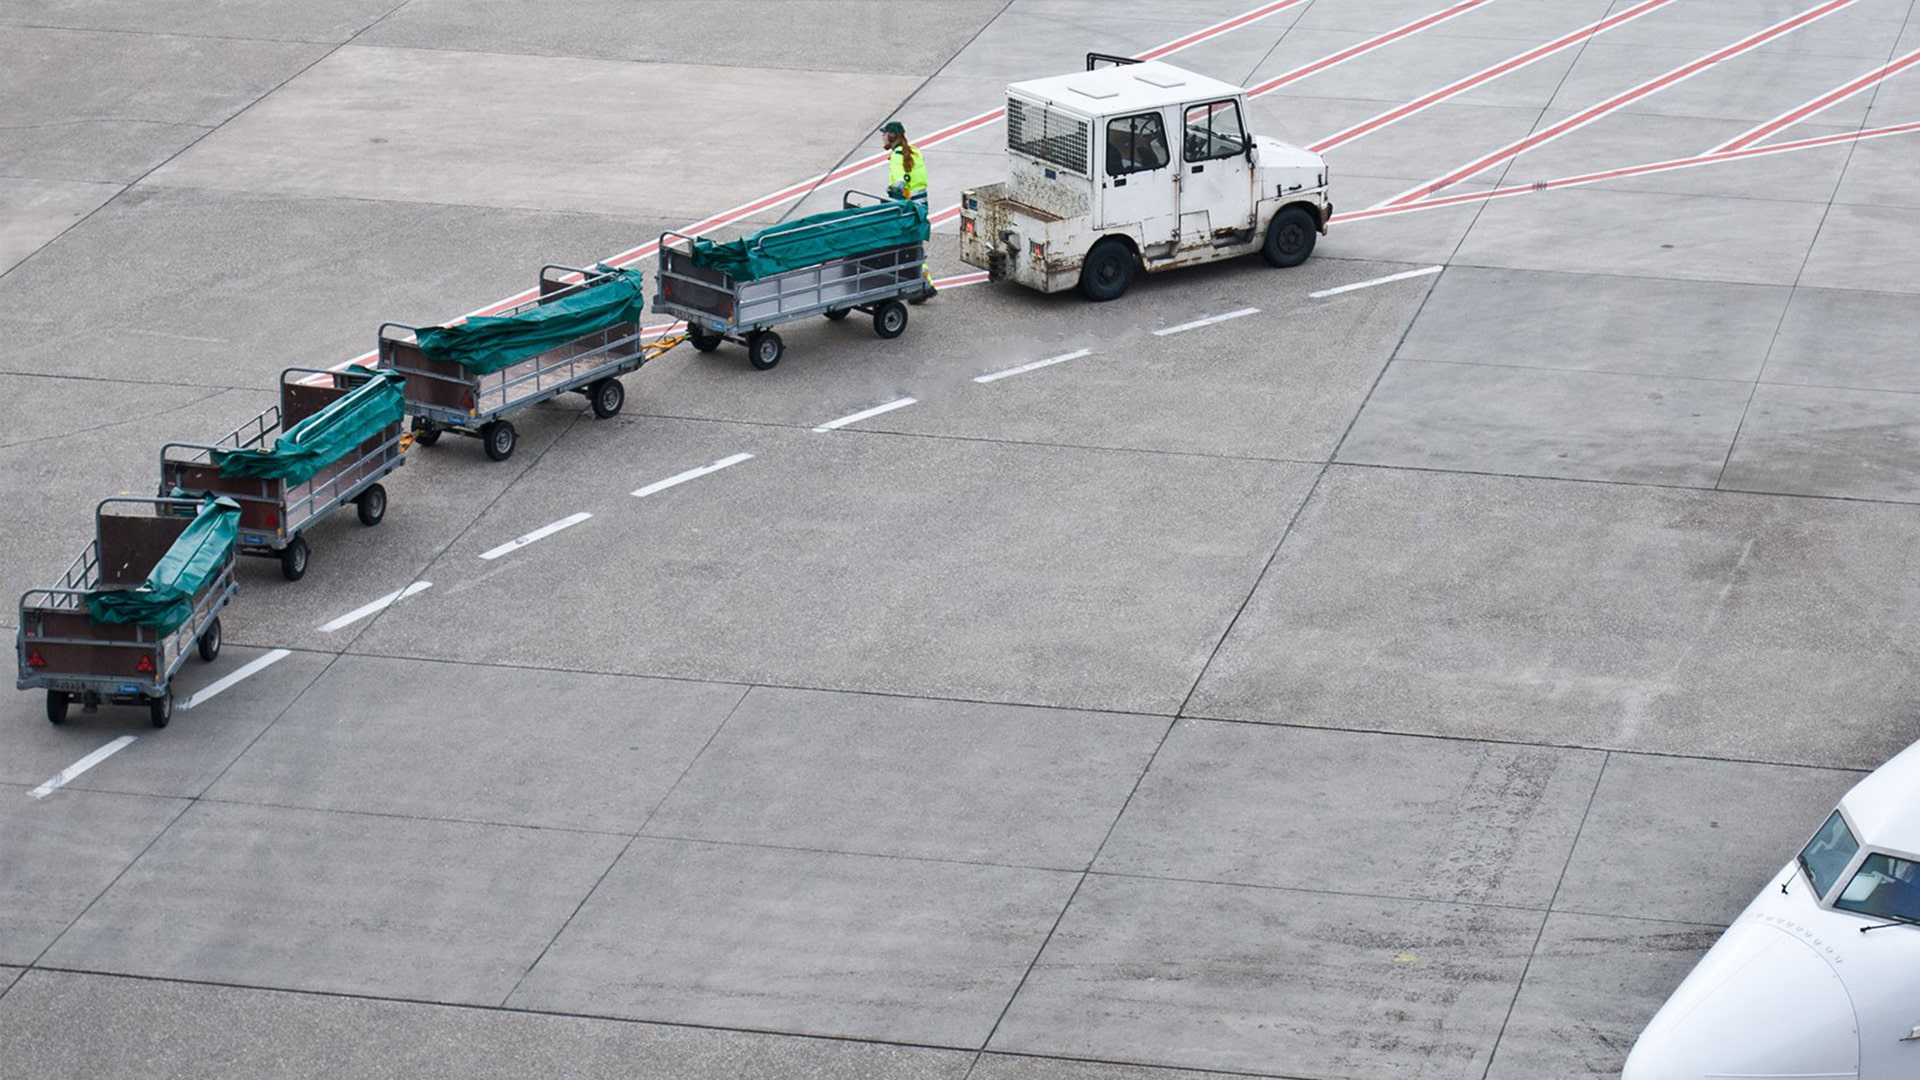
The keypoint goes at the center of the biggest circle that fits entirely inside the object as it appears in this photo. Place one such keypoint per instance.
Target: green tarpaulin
(815, 239)
(165, 600)
(488, 343)
(326, 436)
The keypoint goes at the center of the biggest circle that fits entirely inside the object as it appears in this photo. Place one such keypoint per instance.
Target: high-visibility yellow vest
(909, 183)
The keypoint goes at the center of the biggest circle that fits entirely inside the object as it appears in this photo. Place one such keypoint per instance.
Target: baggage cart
(75, 658)
(275, 514)
(443, 396)
(717, 308)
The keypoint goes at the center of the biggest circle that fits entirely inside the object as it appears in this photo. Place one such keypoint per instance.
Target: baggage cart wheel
(293, 559)
(890, 319)
(764, 349)
(1290, 237)
(835, 314)
(1108, 270)
(607, 396)
(160, 709)
(210, 641)
(499, 438)
(703, 339)
(424, 432)
(57, 701)
(372, 504)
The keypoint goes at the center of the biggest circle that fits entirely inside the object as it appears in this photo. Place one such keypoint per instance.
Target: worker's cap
(892, 127)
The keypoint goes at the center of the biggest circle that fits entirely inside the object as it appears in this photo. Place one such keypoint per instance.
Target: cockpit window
(1884, 887)
(1826, 856)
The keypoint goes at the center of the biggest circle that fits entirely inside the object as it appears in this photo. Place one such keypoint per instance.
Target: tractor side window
(1214, 131)
(1136, 144)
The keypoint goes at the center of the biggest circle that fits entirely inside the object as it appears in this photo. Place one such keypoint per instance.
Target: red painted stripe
(1505, 67)
(1712, 158)
(1618, 101)
(1824, 101)
(1364, 47)
(1235, 23)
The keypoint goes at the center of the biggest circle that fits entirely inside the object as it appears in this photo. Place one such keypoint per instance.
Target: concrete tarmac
(1400, 682)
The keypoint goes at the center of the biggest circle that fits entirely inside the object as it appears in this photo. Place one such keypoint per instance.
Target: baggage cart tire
(703, 339)
(835, 314)
(607, 396)
(293, 559)
(1290, 237)
(371, 504)
(210, 641)
(1107, 271)
(764, 349)
(57, 702)
(890, 319)
(160, 709)
(499, 437)
(424, 432)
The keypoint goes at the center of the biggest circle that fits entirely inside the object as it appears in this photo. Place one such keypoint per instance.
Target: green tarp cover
(165, 600)
(488, 343)
(326, 436)
(791, 245)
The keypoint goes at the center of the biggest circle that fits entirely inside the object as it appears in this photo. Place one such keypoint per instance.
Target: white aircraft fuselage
(1820, 975)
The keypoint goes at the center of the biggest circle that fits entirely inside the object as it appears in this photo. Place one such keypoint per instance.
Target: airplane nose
(1761, 1004)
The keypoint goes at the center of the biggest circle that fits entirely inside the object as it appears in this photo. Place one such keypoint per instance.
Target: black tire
(372, 504)
(293, 559)
(1107, 271)
(499, 438)
(763, 349)
(210, 641)
(1290, 237)
(835, 314)
(424, 432)
(890, 319)
(160, 709)
(57, 702)
(703, 340)
(607, 397)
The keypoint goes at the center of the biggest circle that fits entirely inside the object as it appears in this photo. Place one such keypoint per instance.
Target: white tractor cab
(1137, 164)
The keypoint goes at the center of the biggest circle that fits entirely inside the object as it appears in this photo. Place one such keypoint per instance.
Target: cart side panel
(700, 289)
(130, 547)
(300, 400)
(432, 383)
(262, 501)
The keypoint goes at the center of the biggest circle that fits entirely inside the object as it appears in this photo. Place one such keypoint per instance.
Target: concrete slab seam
(1520, 983)
(628, 846)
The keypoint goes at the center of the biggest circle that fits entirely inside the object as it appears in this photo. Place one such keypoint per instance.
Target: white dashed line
(257, 665)
(359, 613)
(1208, 321)
(540, 533)
(1036, 365)
(68, 774)
(1377, 281)
(899, 403)
(681, 478)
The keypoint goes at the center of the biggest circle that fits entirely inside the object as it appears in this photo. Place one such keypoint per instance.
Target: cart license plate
(71, 686)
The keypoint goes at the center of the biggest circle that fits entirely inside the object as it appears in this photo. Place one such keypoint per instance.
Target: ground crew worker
(906, 179)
